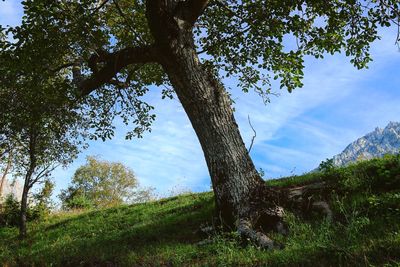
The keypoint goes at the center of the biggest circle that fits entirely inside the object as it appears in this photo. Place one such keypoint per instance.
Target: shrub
(40, 208)
(9, 213)
(78, 201)
(326, 166)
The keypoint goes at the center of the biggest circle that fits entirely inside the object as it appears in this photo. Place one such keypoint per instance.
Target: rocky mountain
(372, 145)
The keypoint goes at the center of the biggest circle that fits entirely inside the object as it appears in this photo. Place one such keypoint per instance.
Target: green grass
(365, 198)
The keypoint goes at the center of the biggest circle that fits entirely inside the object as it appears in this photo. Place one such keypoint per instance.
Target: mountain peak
(372, 145)
(393, 124)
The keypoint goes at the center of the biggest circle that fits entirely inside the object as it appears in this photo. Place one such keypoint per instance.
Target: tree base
(267, 210)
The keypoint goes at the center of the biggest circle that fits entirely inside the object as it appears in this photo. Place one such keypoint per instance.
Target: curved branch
(112, 63)
(191, 10)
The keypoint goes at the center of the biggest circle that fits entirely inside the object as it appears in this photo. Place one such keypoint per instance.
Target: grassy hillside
(365, 230)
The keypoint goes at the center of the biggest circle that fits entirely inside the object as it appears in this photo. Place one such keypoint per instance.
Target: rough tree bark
(27, 186)
(24, 205)
(242, 198)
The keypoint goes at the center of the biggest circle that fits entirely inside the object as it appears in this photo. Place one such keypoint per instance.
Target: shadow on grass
(105, 236)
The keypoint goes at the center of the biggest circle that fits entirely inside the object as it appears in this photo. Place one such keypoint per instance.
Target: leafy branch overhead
(108, 45)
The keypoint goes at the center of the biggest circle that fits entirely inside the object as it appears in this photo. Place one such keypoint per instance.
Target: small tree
(39, 118)
(101, 183)
(43, 202)
(326, 166)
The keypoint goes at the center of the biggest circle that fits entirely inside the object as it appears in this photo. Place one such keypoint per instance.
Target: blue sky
(295, 131)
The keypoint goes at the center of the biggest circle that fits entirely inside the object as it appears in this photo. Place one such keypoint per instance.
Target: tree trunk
(27, 183)
(242, 198)
(24, 204)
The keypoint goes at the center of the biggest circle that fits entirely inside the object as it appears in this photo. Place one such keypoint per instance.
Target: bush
(42, 201)
(326, 166)
(78, 202)
(9, 213)
(11, 208)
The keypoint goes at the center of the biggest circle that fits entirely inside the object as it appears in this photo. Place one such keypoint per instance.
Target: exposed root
(298, 194)
(246, 230)
(307, 198)
(264, 212)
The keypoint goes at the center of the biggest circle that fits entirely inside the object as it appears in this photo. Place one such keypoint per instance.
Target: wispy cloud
(336, 105)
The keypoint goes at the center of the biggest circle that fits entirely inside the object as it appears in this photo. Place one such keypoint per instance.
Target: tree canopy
(109, 46)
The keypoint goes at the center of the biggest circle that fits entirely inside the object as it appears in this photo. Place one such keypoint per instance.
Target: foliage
(326, 166)
(9, 212)
(72, 198)
(40, 119)
(166, 232)
(72, 61)
(63, 44)
(244, 39)
(101, 183)
(11, 208)
(42, 202)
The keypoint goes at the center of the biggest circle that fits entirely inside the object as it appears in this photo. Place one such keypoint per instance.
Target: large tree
(116, 49)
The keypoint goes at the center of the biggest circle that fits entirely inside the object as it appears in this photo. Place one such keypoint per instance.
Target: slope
(364, 198)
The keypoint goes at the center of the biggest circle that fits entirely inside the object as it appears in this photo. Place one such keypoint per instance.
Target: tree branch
(63, 66)
(100, 4)
(191, 10)
(111, 64)
(254, 136)
(46, 170)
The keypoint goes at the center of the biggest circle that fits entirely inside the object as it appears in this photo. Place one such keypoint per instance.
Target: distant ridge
(373, 145)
